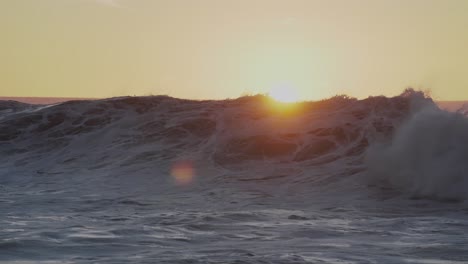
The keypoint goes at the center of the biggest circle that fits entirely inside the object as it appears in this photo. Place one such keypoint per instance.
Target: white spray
(427, 156)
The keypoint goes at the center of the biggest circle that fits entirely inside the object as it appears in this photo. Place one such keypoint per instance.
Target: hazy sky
(220, 48)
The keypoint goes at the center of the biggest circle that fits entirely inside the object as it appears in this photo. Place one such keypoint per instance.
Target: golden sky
(226, 48)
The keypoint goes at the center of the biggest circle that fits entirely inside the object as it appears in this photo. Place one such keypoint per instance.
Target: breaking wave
(405, 142)
(426, 156)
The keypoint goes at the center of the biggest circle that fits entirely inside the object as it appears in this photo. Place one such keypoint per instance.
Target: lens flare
(183, 172)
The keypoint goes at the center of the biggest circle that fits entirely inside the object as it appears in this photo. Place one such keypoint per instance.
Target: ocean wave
(405, 142)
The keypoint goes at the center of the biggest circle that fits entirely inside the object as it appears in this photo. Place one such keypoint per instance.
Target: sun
(284, 94)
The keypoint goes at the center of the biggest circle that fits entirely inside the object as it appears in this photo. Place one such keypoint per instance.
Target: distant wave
(405, 142)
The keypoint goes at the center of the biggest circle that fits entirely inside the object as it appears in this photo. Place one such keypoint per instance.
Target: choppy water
(163, 180)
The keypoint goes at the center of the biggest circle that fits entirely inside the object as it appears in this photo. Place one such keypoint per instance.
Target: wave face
(405, 141)
(248, 180)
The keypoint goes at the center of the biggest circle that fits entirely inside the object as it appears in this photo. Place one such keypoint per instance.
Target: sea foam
(427, 155)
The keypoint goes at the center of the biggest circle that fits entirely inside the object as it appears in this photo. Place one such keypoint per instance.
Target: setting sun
(284, 93)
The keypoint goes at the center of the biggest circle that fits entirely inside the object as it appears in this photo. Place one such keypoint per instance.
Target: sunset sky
(223, 49)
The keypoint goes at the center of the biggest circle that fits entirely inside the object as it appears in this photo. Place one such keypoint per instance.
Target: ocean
(157, 179)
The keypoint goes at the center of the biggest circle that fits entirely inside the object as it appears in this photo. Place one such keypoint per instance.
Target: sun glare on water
(284, 94)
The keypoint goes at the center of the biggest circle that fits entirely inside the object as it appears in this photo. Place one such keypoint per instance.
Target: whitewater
(157, 179)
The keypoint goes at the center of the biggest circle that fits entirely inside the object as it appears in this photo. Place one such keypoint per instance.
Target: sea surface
(250, 180)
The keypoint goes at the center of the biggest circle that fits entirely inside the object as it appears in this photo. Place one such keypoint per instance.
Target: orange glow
(283, 108)
(183, 172)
